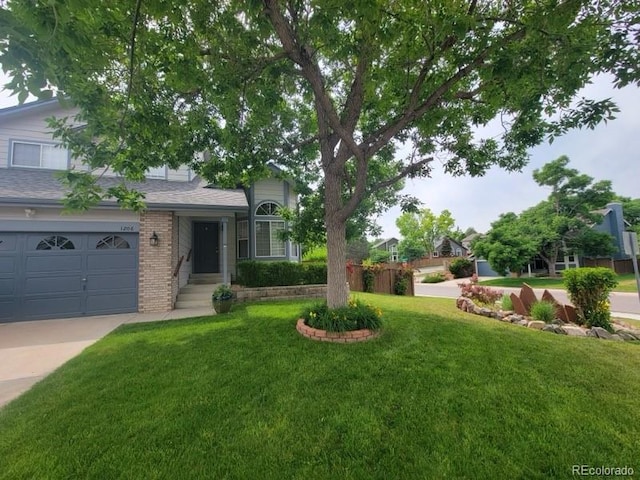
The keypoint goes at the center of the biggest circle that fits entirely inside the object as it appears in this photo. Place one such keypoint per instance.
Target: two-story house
(108, 260)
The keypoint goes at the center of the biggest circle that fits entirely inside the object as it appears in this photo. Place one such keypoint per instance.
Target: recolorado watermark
(601, 471)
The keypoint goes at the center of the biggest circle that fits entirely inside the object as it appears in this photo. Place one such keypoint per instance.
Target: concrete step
(201, 288)
(196, 296)
(205, 278)
(193, 304)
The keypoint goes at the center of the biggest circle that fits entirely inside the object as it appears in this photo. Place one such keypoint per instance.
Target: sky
(609, 152)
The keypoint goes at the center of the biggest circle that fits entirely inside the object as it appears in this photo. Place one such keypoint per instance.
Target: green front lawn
(626, 283)
(440, 394)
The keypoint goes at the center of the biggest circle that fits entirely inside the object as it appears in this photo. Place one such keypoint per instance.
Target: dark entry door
(206, 251)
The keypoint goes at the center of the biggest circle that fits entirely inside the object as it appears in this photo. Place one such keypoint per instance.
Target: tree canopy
(560, 225)
(327, 89)
(425, 227)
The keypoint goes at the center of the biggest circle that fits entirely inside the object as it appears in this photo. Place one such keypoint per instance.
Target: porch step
(195, 295)
(193, 304)
(207, 288)
(205, 278)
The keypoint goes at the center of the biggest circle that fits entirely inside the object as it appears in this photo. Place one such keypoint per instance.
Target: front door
(206, 251)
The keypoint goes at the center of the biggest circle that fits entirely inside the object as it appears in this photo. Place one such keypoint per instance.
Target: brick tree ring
(335, 337)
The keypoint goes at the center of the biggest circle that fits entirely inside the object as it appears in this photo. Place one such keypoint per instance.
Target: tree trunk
(337, 290)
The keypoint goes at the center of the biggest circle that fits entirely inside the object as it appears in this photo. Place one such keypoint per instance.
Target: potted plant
(222, 298)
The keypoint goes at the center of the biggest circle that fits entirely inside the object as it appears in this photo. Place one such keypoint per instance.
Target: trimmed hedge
(253, 274)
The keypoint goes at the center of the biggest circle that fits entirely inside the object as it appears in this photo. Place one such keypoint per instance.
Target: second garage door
(58, 274)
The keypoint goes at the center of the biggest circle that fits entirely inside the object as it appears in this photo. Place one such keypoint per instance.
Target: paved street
(620, 302)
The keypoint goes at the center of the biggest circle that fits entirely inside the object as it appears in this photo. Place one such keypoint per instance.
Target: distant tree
(425, 227)
(554, 227)
(411, 249)
(507, 247)
(377, 255)
(446, 249)
(631, 211)
(457, 234)
(357, 249)
(469, 231)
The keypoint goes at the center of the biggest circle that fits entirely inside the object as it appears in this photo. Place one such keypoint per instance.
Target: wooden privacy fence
(619, 266)
(383, 282)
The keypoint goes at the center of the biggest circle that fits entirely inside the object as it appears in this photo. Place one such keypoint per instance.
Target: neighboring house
(612, 223)
(389, 245)
(108, 260)
(468, 240)
(457, 249)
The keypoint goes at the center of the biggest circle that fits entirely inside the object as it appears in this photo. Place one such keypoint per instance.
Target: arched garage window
(55, 242)
(269, 229)
(112, 241)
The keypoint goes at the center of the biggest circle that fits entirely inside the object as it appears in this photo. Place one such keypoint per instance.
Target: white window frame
(13, 143)
(435, 254)
(270, 218)
(243, 238)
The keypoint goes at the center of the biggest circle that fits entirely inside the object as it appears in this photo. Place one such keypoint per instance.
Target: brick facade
(156, 289)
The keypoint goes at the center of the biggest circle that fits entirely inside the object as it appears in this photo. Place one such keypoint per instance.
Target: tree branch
(303, 56)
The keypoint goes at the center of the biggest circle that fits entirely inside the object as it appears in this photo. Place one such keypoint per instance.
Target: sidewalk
(29, 351)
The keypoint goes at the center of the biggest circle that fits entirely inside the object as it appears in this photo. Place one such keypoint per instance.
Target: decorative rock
(528, 297)
(523, 323)
(536, 325)
(518, 306)
(486, 312)
(516, 318)
(600, 332)
(617, 337)
(572, 315)
(626, 335)
(559, 322)
(554, 329)
(505, 318)
(574, 331)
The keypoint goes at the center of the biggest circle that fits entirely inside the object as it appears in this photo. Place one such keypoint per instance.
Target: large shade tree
(324, 87)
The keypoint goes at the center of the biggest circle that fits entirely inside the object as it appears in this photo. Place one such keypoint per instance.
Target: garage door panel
(51, 307)
(8, 265)
(8, 242)
(111, 282)
(8, 286)
(61, 274)
(111, 261)
(53, 285)
(112, 302)
(53, 263)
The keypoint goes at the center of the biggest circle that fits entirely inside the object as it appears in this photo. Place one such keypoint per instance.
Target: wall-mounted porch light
(153, 240)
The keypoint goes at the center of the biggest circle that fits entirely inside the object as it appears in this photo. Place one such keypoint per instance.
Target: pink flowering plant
(479, 294)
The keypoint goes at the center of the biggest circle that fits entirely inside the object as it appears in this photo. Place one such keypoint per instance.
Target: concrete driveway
(29, 351)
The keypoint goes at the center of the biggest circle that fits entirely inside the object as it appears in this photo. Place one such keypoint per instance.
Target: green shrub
(252, 273)
(404, 277)
(357, 315)
(588, 290)
(434, 278)
(506, 302)
(543, 311)
(379, 256)
(461, 268)
(315, 255)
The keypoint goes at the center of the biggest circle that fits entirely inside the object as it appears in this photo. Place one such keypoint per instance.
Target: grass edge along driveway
(626, 282)
(440, 394)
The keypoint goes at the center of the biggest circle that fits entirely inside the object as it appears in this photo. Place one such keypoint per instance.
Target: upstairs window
(157, 172)
(268, 208)
(39, 155)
